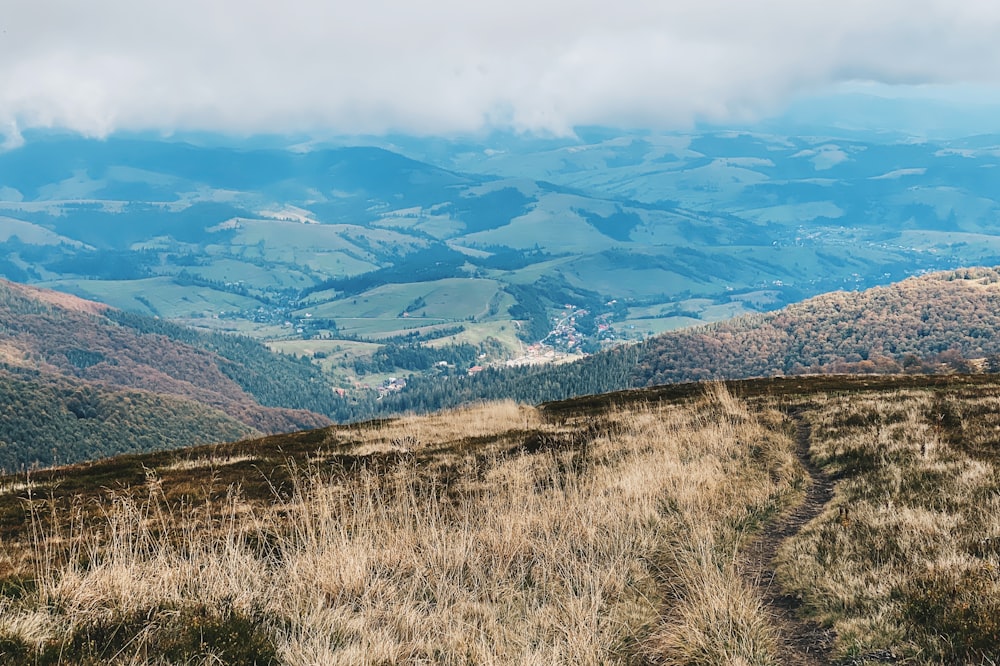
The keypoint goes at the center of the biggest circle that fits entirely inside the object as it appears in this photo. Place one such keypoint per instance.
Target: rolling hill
(675, 228)
(71, 368)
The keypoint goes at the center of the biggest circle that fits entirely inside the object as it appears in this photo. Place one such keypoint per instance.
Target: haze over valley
(510, 250)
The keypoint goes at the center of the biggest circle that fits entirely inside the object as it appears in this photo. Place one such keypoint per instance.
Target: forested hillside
(273, 380)
(914, 325)
(79, 380)
(63, 335)
(600, 373)
(49, 420)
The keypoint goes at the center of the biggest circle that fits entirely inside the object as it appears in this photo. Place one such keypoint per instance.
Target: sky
(439, 67)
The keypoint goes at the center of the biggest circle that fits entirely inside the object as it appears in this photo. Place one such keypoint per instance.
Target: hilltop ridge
(943, 317)
(800, 521)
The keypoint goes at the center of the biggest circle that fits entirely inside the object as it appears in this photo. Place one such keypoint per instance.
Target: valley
(334, 252)
(489, 333)
(939, 323)
(70, 365)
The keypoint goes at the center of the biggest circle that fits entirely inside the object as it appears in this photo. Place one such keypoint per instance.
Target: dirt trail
(805, 643)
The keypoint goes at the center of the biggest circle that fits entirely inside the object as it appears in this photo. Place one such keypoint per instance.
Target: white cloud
(443, 66)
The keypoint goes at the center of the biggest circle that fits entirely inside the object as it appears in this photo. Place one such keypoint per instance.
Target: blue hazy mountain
(464, 239)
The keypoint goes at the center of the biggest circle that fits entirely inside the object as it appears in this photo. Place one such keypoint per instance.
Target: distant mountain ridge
(707, 225)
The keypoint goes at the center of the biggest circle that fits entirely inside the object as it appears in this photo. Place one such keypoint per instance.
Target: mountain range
(330, 251)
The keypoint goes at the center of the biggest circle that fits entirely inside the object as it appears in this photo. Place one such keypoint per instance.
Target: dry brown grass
(485, 536)
(905, 559)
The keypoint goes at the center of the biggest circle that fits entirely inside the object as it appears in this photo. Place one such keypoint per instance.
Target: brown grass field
(615, 529)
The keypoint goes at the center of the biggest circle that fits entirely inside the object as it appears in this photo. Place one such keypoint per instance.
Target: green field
(252, 275)
(159, 296)
(534, 272)
(29, 233)
(419, 219)
(552, 225)
(503, 331)
(453, 299)
(334, 357)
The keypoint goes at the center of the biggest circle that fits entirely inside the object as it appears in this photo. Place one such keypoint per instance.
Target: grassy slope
(906, 559)
(600, 530)
(559, 540)
(380, 309)
(156, 296)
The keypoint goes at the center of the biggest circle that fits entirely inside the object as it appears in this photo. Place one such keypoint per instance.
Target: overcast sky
(450, 66)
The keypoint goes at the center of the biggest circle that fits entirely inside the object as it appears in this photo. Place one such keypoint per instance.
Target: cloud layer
(444, 66)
